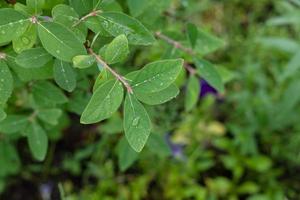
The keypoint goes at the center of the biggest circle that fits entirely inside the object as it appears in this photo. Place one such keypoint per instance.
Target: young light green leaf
(192, 93)
(2, 114)
(137, 124)
(117, 50)
(12, 24)
(46, 94)
(49, 115)
(37, 140)
(192, 34)
(64, 75)
(60, 41)
(157, 76)
(83, 61)
(6, 82)
(116, 23)
(207, 71)
(13, 124)
(33, 58)
(35, 6)
(26, 40)
(126, 155)
(105, 101)
(160, 97)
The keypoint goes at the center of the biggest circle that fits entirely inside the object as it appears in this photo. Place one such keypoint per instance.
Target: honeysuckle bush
(63, 57)
(103, 98)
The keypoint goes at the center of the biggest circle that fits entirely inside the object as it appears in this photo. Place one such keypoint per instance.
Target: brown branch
(190, 69)
(118, 76)
(91, 14)
(174, 43)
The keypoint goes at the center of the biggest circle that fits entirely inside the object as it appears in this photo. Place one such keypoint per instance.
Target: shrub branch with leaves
(44, 44)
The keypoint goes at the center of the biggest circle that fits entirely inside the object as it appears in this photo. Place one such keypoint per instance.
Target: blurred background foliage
(243, 144)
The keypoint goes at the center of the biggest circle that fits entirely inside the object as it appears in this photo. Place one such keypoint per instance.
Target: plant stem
(190, 69)
(176, 44)
(91, 14)
(118, 76)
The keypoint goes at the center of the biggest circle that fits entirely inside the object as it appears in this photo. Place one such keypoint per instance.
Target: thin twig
(176, 44)
(118, 76)
(91, 14)
(190, 69)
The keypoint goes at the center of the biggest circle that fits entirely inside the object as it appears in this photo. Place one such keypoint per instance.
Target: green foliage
(109, 97)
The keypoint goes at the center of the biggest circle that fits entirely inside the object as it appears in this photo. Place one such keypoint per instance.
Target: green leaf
(37, 140)
(207, 71)
(117, 50)
(126, 155)
(158, 145)
(207, 43)
(137, 124)
(116, 23)
(60, 41)
(46, 94)
(33, 58)
(148, 10)
(157, 76)
(78, 102)
(9, 159)
(102, 78)
(26, 40)
(13, 124)
(192, 93)
(2, 115)
(12, 24)
(192, 34)
(50, 115)
(97, 4)
(67, 16)
(105, 101)
(22, 9)
(64, 75)
(6, 83)
(83, 61)
(29, 74)
(35, 5)
(82, 7)
(156, 98)
(137, 6)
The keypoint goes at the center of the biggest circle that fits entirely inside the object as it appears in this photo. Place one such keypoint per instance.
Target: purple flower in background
(206, 89)
(46, 190)
(176, 149)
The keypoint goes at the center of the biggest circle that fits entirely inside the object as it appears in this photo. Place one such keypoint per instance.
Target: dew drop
(25, 40)
(136, 121)
(57, 51)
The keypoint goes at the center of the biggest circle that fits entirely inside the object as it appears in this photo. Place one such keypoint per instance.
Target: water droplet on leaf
(25, 40)
(136, 121)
